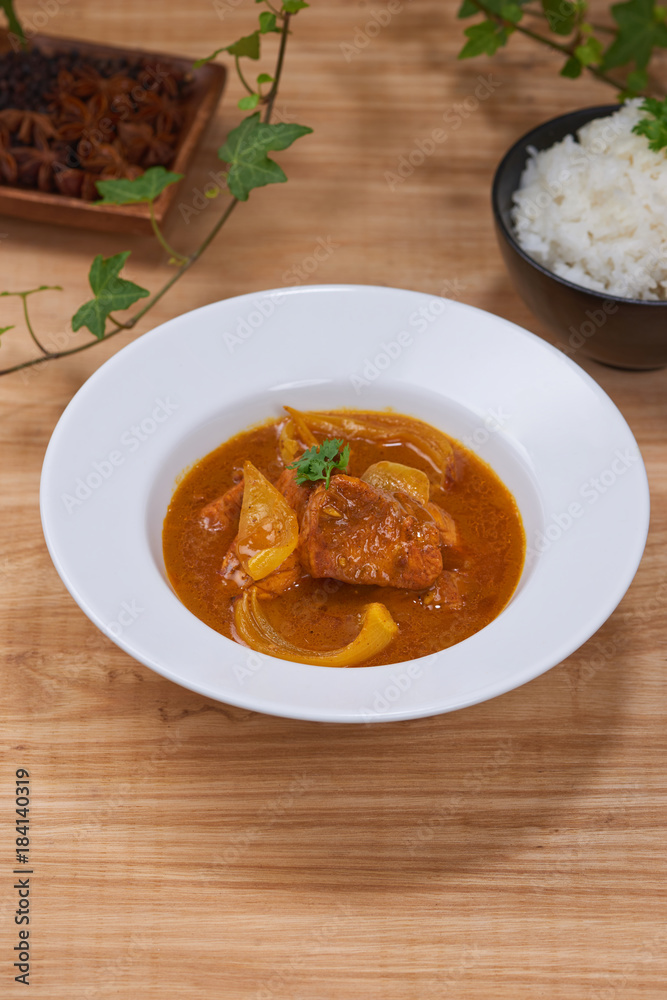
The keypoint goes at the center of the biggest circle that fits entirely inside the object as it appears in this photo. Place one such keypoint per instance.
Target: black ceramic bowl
(625, 333)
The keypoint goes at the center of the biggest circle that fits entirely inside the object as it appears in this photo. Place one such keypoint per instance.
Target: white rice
(594, 211)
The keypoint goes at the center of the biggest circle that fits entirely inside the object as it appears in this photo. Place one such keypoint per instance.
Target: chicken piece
(449, 535)
(446, 591)
(224, 513)
(282, 579)
(358, 534)
(296, 496)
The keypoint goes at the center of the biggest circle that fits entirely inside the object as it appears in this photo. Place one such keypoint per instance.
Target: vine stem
(178, 257)
(565, 50)
(241, 76)
(187, 262)
(271, 96)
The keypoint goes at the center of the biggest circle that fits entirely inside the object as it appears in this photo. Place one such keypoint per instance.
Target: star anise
(145, 145)
(160, 109)
(108, 161)
(38, 164)
(79, 118)
(8, 165)
(27, 126)
(88, 82)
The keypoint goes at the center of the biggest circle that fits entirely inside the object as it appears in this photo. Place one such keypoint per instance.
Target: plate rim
(256, 702)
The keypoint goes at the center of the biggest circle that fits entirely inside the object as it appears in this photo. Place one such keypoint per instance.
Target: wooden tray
(23, 203)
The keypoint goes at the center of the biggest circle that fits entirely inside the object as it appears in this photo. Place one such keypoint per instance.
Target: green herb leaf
(111, 293)
(245, 151)
(320, 461)
(485, 38)
(292, 6)
(249, 102)
(145, 188)
(561, 15)
(572, 68)
(640, 29)
(655, 127)
(267, 23)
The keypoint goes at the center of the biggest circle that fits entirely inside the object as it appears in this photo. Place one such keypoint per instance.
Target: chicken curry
(343, 538)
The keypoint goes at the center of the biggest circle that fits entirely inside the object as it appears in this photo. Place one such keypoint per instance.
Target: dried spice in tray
(68, 120)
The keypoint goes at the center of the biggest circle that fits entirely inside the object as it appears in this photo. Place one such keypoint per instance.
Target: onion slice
(268, 527)
(383, 428)
(253, 628)
(392, 477)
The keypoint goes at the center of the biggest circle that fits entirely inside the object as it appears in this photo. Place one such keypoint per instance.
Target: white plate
(169, 398)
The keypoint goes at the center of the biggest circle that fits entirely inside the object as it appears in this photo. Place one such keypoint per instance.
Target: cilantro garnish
(320, 461)
(654, 128)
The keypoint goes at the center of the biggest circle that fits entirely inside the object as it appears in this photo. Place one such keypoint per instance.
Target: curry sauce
(482, 569)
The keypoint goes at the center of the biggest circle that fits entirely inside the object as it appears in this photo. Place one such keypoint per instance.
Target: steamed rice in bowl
(593, 209)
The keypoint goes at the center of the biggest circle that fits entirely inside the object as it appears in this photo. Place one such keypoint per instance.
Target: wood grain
(185, 848)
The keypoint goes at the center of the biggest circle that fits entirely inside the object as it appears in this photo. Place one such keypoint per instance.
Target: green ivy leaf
(3, 329)
(111, 294)
(636, 81)
(655, 127)
(511, 12)
(590, 53)
(246, 46)
(145, 188)
(572, 68)
(245, 151)
(249, 102)
(292, 6)
(561, 15)
(13, 23)
(264, 78)
(468, 9)
(640, 29)
(267, 23)
(485, 38)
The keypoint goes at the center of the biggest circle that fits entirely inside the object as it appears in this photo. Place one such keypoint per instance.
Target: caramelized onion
(383, 428)
(268, 527)
(295, 438)
(377, 630)
(393, 477)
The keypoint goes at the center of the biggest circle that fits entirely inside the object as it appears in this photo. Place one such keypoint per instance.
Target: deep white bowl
(553, 436)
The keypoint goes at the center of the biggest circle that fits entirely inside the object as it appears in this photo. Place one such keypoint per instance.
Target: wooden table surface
(182, 848)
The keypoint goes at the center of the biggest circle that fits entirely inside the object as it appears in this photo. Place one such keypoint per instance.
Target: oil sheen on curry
(344, 539)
